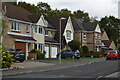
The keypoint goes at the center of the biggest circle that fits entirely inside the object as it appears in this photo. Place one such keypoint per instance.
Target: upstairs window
(27, 29)
(84, 35)
(68, 34)
(99, 36)
(15, 26)
(35, 29)
(46, 33)
(96, 35)
(40, 30)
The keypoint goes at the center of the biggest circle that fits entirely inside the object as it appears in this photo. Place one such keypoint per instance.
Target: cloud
(99, 8)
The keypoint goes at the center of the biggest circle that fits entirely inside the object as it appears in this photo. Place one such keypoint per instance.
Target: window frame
(27, 27)
(46, 31)
(84, 35)
(68, 34)
(15, 26)
(96, 35)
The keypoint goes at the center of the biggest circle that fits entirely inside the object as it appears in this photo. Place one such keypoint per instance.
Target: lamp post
(62, 18)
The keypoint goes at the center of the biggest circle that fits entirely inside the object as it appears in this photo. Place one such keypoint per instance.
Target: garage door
(47, 51)
(53, 52)
(20, 45)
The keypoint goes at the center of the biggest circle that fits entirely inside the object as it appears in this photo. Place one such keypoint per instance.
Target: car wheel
(107, 58)
(21, 60)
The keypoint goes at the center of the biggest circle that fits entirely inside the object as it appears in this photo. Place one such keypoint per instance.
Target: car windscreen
(112, 52)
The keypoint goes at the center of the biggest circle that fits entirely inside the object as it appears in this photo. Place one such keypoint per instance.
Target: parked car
(113, 54)
(69, 54)
(17, 54)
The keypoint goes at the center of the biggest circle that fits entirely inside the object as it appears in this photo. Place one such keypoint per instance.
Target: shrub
(40, 55)
(74, 45)
(6, 58)
(85, 49)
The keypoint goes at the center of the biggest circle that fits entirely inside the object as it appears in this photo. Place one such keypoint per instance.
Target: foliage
(6, 58)
(74, 45)
(83, 16)
(40, 55)
(85, 49)
(110, 25)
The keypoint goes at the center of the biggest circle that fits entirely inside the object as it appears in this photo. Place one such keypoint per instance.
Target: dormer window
(15, 26)
(68, 34)
(84, 35)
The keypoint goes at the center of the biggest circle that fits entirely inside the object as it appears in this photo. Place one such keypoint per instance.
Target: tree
(83, 16)
(110, 25)
(85, 49)
(44, 8)
(74, 45)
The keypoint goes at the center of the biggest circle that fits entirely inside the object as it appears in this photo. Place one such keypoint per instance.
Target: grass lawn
(64, 60)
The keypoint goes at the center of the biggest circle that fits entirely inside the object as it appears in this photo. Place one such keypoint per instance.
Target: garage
(53, 52)
(47, 51)
(20, 45)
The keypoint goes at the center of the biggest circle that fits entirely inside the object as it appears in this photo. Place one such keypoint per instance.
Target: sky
(95, 8)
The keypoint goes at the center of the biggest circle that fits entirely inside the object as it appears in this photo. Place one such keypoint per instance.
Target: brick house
(89, 34)
(109, 44)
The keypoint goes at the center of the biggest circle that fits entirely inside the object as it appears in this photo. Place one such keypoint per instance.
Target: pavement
(44, 66)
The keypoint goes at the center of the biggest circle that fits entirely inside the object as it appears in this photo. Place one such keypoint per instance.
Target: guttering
(21, 40)
(52, 43)
(12, 33)
(47, 28)
(20, 21)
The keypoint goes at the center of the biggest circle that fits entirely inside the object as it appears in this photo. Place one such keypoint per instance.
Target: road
(93, 70)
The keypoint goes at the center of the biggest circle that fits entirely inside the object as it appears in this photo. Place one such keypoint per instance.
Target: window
(38, 46)
(27, 30)
(35, 29)
(68, 34)
(40, 30)
(35, 46)
(84, 35)
(15, 26)
(99, 36)
(96, 35)
(46, 33)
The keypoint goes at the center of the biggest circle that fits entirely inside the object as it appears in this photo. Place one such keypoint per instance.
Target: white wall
(69, 27)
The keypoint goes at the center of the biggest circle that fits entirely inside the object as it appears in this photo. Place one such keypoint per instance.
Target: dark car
(17, 54)
(113, 54)
(69, 54)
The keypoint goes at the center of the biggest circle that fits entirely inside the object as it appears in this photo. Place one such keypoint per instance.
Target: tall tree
(110, 25)
(83, 16)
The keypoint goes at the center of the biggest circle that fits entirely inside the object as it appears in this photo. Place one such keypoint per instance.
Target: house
(38, 31)
(89, 34)
(109, 44)
(67, 32)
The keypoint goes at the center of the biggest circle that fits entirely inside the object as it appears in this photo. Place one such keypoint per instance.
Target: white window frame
(40, 30)
(96, 35)
(27, 27)
(46, 33)
(15, 26)
(99, 36)
(68, 35)
(84, 35)
(35, 29)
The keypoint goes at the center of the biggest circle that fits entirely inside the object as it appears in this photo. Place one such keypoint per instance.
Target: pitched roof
(34, 17)
(78, 25)
(90, 26)
(107, 43)
(16, 12)
(50, 39)
(55, 22)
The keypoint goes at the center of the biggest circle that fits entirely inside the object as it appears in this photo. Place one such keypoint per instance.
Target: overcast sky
(99, 8)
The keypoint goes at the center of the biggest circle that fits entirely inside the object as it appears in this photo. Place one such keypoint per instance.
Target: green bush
(85, 49)
(40, 55)
(6, 58)
(74, 45)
